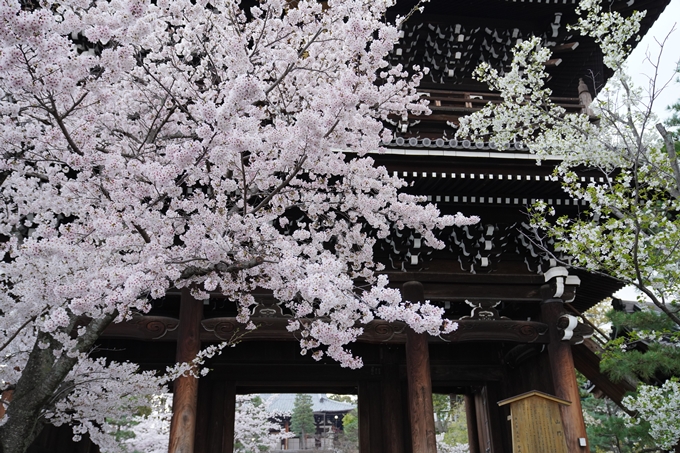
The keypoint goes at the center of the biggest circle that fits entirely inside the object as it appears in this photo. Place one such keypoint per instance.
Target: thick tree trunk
(40, 383)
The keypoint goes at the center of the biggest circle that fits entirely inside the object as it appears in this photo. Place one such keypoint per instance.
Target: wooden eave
(505, 21)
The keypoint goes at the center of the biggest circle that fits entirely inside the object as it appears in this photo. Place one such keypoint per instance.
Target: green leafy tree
(352, 399)
(442, 411)
(450, 421)
(302, 418)
(456, 431)
(350, 428)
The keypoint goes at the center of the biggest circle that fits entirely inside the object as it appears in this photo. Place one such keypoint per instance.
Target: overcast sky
(640, 68)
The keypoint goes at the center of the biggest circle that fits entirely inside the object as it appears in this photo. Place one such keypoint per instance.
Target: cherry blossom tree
(152, 431)
(170, 144)
(256, 428)
(630, 229)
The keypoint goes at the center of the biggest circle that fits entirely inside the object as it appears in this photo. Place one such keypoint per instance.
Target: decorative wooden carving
(573, 331)
(269, 309)
(142, 327)
(222, 328)
(227, 329)
(384, 332)
(484, 309)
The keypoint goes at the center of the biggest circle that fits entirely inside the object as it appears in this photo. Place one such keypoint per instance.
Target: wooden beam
(185, 388)
(564, 374)
(419, 382)
(568, 47)
(377, 331)
(588, 363)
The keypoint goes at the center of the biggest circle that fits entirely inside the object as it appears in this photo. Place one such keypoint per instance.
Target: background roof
(284, 402)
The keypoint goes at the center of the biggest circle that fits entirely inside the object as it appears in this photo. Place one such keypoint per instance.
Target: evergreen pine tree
(302, 419)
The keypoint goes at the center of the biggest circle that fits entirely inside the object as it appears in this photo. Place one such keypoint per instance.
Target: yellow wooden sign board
(536, 423)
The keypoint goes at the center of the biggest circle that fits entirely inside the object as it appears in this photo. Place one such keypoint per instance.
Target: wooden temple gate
(489, 357)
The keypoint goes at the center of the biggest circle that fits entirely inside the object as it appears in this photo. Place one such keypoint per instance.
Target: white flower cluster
(660, 406)
(152, 431)
(95, 393)
(610, 29)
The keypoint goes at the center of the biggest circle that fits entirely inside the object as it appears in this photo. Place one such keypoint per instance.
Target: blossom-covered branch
(167, 144)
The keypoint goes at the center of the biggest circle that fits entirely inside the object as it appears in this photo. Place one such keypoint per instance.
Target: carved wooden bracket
(573, 331)
(483, 309)
(144, 328)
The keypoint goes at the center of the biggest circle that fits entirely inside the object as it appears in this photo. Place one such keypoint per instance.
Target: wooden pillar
(207, 389)
(285, 441)
(406, 420)
(215, 417)
(563, 373)
(376, 415)
(484, 440)
(364, 401)
(393, 440)
(419, 381)
(229, 417)
(471, 418)
(185, 388)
